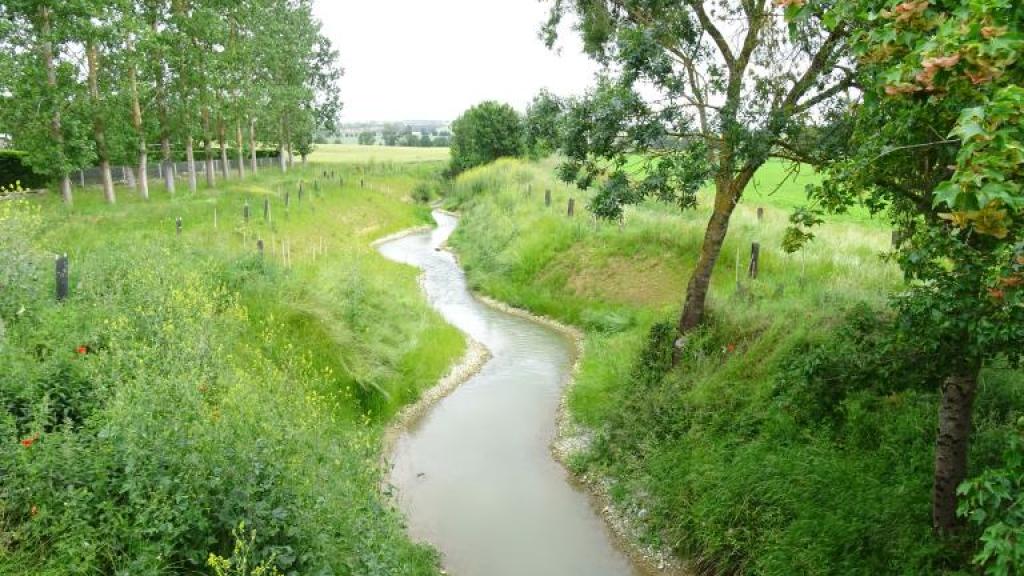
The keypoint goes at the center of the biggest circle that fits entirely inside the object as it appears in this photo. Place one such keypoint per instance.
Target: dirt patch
(621, 279)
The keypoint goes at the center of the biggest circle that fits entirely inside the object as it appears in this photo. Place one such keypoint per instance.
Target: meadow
(354, 153)
(795, 436)
(193, 397)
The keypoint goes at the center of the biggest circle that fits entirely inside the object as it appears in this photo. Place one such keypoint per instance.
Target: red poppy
(83, 349)
(731, 347)
(28, 442)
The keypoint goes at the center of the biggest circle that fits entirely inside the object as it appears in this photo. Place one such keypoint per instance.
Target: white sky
(432, 59)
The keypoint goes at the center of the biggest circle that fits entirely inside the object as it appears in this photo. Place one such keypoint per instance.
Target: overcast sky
(432, 59)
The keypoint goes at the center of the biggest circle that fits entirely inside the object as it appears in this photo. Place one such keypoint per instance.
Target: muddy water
(474, 476)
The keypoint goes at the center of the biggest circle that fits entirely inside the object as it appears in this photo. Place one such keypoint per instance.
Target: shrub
(14, 170)
(484, 133)
(994, 503)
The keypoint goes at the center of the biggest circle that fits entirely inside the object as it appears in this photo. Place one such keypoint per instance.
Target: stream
(474, 476)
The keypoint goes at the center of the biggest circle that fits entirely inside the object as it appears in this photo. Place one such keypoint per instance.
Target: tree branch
(714, 32)
(845, 83)
(818, 61)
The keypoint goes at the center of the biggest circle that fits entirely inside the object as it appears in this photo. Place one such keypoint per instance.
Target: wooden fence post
(266, 209)
(301, 189)
(755, 256)
(177, 225)
(62, 277)
(362, 183)
(245, 212)
(547, 197)
(287, 197)
(760, 214)
(259, 247)
(572, 207)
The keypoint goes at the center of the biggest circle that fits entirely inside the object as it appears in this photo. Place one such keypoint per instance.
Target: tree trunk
(280, 150)
(728, 191)
(167, 162)
(951, 444)
(288, 142)
(98, 128)
(142, 178)
(211, 176)
(222, 137)
(252, 144)
(129, 176)
(241, 149)
(191, 158)
(56, 130)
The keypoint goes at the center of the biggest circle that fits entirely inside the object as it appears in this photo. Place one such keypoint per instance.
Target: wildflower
(34, 510)
(731, 347)
(82, 350)
(27, 442)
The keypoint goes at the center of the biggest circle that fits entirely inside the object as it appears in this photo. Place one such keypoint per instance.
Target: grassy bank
(795, 438)
(191, 394)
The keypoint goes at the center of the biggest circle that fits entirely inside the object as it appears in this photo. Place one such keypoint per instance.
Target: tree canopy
(937, 140)
(734, 84)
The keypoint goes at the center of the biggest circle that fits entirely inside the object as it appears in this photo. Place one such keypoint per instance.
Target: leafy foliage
(937, 141)
(13, 170)
(994, 502)
(484, 133)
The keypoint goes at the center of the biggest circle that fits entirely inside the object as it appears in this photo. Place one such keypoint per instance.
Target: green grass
(793, 439)
(218, 387)
(353, 153)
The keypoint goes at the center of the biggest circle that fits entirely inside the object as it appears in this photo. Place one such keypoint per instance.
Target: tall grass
(189, 386)
(796, 437)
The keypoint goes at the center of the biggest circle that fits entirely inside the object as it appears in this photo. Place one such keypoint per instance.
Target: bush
(994, 503)
(14, 170)
(484, 133)
(149, 415)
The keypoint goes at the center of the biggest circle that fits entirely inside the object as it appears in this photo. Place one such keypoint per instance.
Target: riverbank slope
(793, 438)
(192, 394)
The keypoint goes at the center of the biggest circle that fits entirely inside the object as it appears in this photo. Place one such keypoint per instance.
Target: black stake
(62, 277)
(755, 256)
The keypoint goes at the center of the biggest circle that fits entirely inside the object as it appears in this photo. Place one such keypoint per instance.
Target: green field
(353, 153)
(794, 438)
(189, 385)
